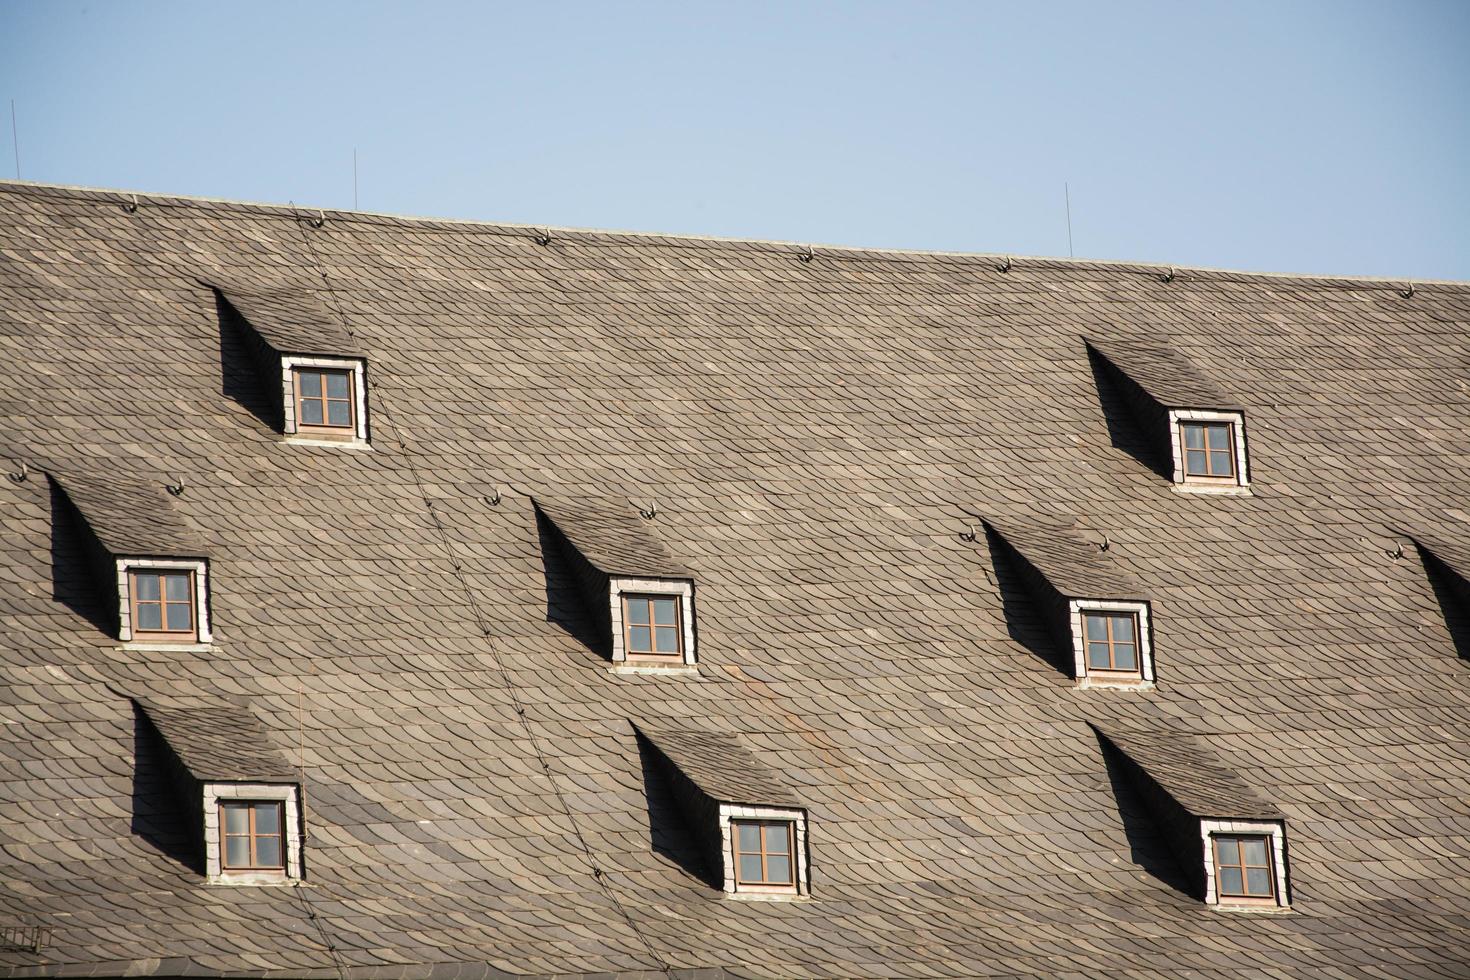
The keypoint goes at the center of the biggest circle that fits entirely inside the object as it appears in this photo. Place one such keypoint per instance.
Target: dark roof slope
(612, 536)
(812, 431)
(1189, 772)
(719, 764)
(128, 514)
(1075, 567)
(293, 320)
(1170, 377)
(217, 740)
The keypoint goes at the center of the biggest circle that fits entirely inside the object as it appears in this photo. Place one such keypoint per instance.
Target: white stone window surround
(1276, 831)
(1145, 642)
(214, 793)
(358, 367)
(1205, 485)
(683, 588)
(199, 567)
(739, 811)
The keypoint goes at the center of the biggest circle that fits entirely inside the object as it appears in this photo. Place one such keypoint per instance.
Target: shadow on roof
(73, 580)
(1124, 428)
(1148, 848)
(156, 814)
(1452, 604)
(668, 831)
(1024, 622)
(565, 606)
(241, 378)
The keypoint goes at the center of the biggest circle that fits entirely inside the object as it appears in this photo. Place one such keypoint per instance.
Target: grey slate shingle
(814, 434)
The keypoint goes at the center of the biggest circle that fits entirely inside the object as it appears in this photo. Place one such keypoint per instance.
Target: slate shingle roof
(815, 435)
(218, 740)
(719, 764)
(129, 515)
(1170, 377)
(291, 320)
(1189, 772)
(1075, 567)
(612, 536)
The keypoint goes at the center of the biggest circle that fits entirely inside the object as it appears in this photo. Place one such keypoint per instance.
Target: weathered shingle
(129, 516)
(1188, 771)
(1167, 375)
(612, 536)
(719, 764)
(292, 320)
(1075, 567)
(217, 740)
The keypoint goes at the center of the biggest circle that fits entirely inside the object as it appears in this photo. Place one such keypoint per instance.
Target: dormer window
(651, 627)
(254, 835)
(1243, 868)
(325, 399)
(1209, 450)
(163, 605)
(1111, 642)
(764, 853)
(163, 600)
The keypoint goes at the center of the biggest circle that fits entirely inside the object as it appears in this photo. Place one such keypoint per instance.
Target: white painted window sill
(166, 647)
(1089, 682)
(253, 881)
(359, 444)
(1252, 909)
(655, 670)
(1219, 490)
(766, 897)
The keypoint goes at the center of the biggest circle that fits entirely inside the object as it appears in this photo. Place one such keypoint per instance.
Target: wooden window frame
(325, 431)
(1268, 840)
(1109, 615)
(1230, 479)
(255, 867)
(791, 887)
(646, 656)
(164, 635)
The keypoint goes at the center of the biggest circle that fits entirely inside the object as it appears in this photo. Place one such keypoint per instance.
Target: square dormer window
(1209, 450)
(764, 855)
(163, 605)
(325, 399)
(1245, 863)
(1111, 642)
(163, 600)
(651, 627)
(253, 833)
(652, 624)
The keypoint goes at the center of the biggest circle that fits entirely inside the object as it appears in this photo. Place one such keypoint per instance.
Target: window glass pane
(1258, 881)
(1097, 656)
(666, 639)
(1220, 463)
(778, 869)
(237, 852)
(150, 616)
(1230, 883)
(1254, 850)
(750, 867)
(1123, 657)
(237, 819)
(638, 611)
(1219, 437)
(267, 818)
(268, 852)
(1194, 438)
(1194, 462)
(750, 837)
(1097, 627)
(776, 838)
(338, 413)
(336, 385)
(176, 587)
(311, 384)
(147, 585)
(638, 638)
(1123, 629)
(311, 413)
(663, 611)
(180, 616)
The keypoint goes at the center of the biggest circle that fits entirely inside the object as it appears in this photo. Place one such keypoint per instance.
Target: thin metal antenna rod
(354, 178)
(14, 139)
(1068, 191)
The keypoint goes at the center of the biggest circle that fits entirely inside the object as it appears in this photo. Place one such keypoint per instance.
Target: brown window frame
(1108, 615)
(348, 431)
(790, 887)
(255, 865)
(1210, 477)
(1221, 896)
(164, 635)
(653, 655)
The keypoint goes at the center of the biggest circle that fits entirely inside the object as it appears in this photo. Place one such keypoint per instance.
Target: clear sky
(1291, 135)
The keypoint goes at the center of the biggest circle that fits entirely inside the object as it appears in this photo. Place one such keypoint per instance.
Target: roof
(720, 764)
(612, 536)
(217, 740)
(1189, 772)
(1167, 375)
(814, 435)
(1077, 568)
(129, 515)
(292, 319)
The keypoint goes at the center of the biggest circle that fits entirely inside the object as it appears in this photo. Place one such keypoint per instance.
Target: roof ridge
(674, 239)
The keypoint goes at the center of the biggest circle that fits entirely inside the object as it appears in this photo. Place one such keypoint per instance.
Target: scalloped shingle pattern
(612, 537)
(813, 433)
(1171, 378)
(1189, 772)
(719, 764)
(218, 740)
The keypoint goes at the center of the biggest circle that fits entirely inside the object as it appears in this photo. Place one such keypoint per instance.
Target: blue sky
(1297, 136)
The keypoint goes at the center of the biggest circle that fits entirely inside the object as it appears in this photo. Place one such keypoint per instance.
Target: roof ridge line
(674, 238)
